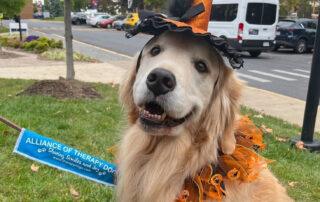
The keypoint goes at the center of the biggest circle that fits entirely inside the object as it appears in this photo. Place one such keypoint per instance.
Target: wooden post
(68, 38)
(10, 124)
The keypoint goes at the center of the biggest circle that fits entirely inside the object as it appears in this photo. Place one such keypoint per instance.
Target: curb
(280, 106)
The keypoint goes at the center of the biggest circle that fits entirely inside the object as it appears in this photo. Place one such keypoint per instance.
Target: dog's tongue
(154, 108)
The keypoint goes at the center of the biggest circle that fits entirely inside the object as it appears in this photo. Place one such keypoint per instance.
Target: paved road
(283, 72)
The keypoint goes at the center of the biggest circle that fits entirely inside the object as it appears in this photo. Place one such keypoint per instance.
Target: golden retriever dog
(182, 103)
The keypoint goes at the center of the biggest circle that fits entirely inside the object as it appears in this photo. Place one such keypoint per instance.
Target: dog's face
(174, 82)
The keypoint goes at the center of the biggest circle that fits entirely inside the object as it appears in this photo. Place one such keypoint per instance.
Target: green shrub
(58, 54)
(44, 40)
(13, 42)
(54, 55)
(3, 41)
(51, 42)
(58, 44)
(41, 47)
(55, 44)
(30, 46)
(83, 58)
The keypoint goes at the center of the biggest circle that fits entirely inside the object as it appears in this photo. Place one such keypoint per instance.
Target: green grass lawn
(89, 125)
(60, 18)
(94, 125)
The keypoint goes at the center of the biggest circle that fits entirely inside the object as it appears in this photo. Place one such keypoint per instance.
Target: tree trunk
(68, 37)
(314, 7)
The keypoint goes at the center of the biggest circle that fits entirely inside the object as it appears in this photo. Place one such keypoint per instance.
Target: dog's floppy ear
(126, 89)
(229, 99)
(219, 120)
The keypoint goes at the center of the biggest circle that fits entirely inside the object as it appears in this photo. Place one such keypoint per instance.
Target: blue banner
(52, 153)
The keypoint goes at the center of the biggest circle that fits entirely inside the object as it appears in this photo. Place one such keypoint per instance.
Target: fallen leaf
(34, 168)
(74, 192)
(265, 129)
(113, 149)
(258, 116)
(292, 184)
(281, 139)
(300, 145)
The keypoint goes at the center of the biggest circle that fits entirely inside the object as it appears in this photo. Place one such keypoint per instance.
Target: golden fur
(154, 167)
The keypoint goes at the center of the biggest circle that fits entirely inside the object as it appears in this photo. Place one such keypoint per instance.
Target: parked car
(297, 34)
(118, 24)
(107, 23)
(95, 20)
(249, 25)
(79, 18)
(37, 16)
(131, 20)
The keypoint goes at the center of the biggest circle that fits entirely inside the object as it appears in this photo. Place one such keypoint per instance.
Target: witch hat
(186, 16)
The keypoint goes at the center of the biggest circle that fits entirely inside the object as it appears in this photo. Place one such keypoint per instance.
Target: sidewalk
(89, 72)
(280, 106)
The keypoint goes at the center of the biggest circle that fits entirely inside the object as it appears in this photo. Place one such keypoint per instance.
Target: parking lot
(283, 72)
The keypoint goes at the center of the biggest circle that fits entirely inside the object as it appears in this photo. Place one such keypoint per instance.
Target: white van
(249, 25)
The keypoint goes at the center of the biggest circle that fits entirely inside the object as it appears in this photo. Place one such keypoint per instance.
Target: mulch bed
(62, 89)
(8, 55)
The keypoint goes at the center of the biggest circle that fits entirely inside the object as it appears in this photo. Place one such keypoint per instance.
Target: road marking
(301, 70)
(253, 78)
(272, 75)
(291, 73)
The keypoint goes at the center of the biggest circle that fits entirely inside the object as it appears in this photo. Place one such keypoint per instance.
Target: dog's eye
(155, 51)
(201, 66)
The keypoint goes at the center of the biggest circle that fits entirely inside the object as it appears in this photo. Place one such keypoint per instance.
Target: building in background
(27, 11)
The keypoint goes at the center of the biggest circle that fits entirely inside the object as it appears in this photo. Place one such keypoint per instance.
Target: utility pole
(68, 38)
(312, 103)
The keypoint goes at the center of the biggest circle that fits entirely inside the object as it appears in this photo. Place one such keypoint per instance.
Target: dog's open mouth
(152, 114)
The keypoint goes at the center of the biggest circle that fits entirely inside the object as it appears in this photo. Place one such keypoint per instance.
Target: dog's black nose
(161, 81)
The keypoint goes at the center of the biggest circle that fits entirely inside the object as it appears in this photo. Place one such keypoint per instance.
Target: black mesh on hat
(155, 24)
